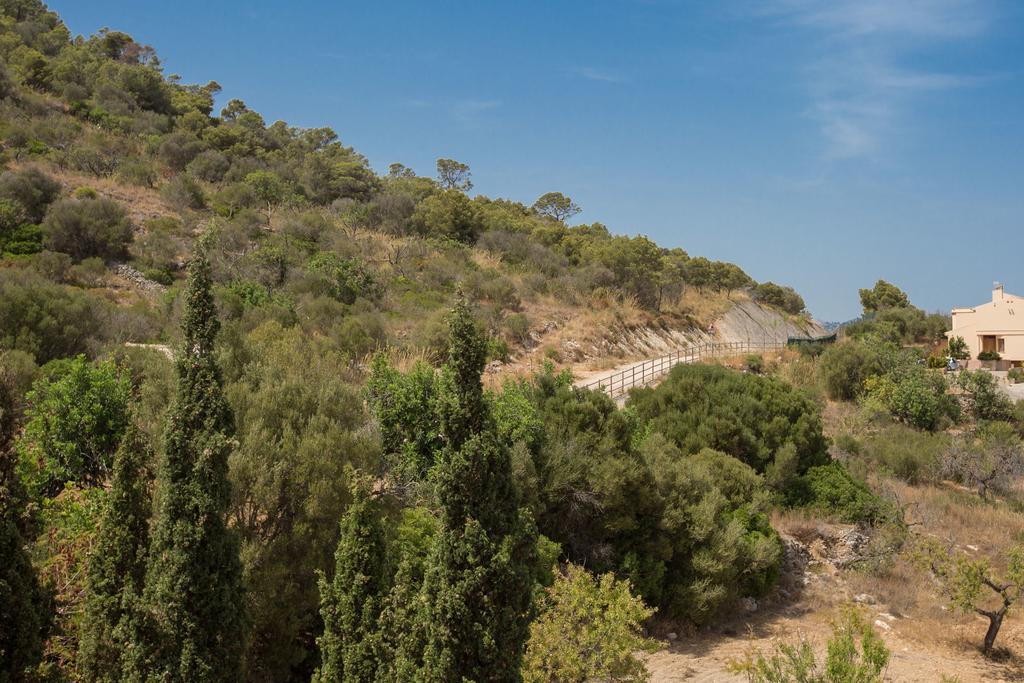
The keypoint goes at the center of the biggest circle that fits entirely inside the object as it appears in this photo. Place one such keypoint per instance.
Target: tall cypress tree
(23, 617)
(117, 566)
(478, 582)
(350, 604)
(193, 593)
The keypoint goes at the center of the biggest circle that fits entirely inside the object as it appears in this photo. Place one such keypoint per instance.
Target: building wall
(1003, 317)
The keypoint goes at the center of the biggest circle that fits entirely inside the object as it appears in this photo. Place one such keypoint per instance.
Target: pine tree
(117, 566)
(350, 604)
(478, 583)
(23, 618)
(193, 594)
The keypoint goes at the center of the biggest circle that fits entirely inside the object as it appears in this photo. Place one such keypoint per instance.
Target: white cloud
(915, 18)
(591, 73)
(470, 110)
(859, 91)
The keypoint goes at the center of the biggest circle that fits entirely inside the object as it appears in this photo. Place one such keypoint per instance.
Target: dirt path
(705, 658)
(804, 608)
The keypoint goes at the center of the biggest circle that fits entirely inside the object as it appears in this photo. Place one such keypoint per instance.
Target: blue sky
(818, 143)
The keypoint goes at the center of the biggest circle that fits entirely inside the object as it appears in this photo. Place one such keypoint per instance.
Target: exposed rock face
(750, 321)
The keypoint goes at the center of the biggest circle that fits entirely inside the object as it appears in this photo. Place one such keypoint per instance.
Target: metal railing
(649, 371)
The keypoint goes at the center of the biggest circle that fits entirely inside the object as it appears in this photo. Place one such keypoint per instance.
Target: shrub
(1015, 375)
(210, 166)
(137, 172)
(47, 320)
(90, 227)
(913, 395)
(77, 415)
(755, 363)
(448, 214)
(749, 417)
(989, 458)
(178, 149)
(989, 355)
(907, 454)
(346, 279)
(854, 654)
(31, 190)
(589, 628)
(183, 193)
(833, 490)
(844, 368)
(981, 396)
(517, 328)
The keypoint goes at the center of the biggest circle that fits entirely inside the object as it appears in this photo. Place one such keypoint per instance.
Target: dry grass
(142, 203)
(703, 307)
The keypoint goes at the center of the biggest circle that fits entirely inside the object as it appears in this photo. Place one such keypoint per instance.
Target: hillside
(303, 230)
(268, 415)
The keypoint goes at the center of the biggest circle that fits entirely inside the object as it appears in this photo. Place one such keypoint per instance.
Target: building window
(1002, 345)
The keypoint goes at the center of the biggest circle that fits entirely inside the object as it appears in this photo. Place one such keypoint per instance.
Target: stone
(882, 625)
(672, 637)
(748, 604)
(864, 599)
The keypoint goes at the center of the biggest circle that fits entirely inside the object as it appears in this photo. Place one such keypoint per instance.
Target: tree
(854, 654)
(729, 276)
(845, 367)
(785, 298)
(982, 398)
(964, 579)
(350, 604)
(589, 628)
(478, 584)
(301, 429)
(882, 296)
(117, 566)
(556, 205)
(958, 349)
(448, 214)
(78, 413)
(23, 618)
(453, 175)
(267, 187)
(988, 459)
(88, 227)
(193, 593)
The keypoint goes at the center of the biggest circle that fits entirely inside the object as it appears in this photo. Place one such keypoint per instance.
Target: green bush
(210, 166)
(754, 363)
(844, 367)
(854, 654)
(989, 355)
(749, 417)
(31, 190)
(182, 192)
(907, 454)
(88, 227)
(982, 398)
(833, 490)
(77, 414)
(137, 172)
(914, 395)
(346, 279)
(589, 628)
(1015, 375)
(448, 214)
(47, 320)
